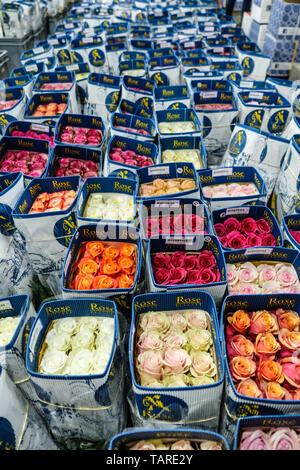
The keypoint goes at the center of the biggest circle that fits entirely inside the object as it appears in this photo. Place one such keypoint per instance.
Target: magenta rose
(190, 262)
(153, 226)
(177, 276)
(193, 277)
(231, 224)
(192, 223)
(162, 275)
(207, 276)
(263, 226)
(253, 240)
(220, 230)
(161, 260)
(268, 240)
(236, 242)
(177, 259)
(223, 241)
(206, 259)
(166, 225)
(248, 226)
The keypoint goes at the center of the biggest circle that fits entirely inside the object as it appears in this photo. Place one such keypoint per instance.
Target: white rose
(100, 361)
(80, 362)
(84, 338)
(5, 338)
(65, 325)
(9, 324)
(58, 341)
(88, 323)
(104, 343)
(53, 362)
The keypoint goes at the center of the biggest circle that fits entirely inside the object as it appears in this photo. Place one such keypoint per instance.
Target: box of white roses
(245, 227)
(13, 102)
(268, 111)
(291, 230)
(74, 359)
(254, 63)
(24, 154)
(265, 381)
(179, 439)
(172, 97)
(133, 68)
(127, 125)
(282, 267)
(186, 262)
(169, 216)
(104, 261)
(183, 149)
(217, 112)
(168, 179)
(24, 81)
(45, 215)
(175, 359)
(103, 93)
(21, 426)
(216, 190)
(145, 108)
(79, 129)
(178, 122)
(287, 184)
(124, 153)
(136, 88)
(231, 70)
(44, 106)
(106, 199)
(272, 432)
(165, 70)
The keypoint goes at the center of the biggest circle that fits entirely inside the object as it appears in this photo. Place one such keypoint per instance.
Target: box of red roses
(69, 160)
(45, 216)
(80, 130)
(185, 262)
(23, 154)
(261, 343)
(104, 260)
(42, 107)
(126, 153)
(74, 359)
(129, 125)
(183, 149)
(225, 187)
(180, 439)
(144, 109)
(291, 230)
(272, 432)
(245, 227)
(107, 199)
(28, 129)
(168, 180)
(217, 112)
(169, 216)
(175, 359)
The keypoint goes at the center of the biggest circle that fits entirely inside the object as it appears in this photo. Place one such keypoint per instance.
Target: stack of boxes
(260, 15)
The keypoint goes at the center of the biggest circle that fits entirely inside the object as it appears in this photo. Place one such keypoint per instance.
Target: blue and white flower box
(44, 99)
(80, 120)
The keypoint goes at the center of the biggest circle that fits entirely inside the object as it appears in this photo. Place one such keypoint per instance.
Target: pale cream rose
(155, 321)
(53, 362)
(178, 321)
(58, 341)
(100, 361)
(202, 364)
(83, 339)
(180, 380)
(9, 324)
(80, 362)
(199, 339)
(202, 380)
(211, 445)
(196, 318)
(65, 325)
(174, 339)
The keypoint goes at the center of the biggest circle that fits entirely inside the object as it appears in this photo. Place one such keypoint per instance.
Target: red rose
(206, 259)
(253, 240)
(190, 262)
(161, 260)
(223, 241)
(177, 276)
(193, 277)
(231, 224)
(248, 226)
(207, 276)
(268, 240)
(177, 259)
(263, 226)
(237, 242)
(220, 230)
(162, 276)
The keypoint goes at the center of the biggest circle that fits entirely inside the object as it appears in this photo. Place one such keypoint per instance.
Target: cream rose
(176, 361)
(174, 339)
(178, 321)
(66, 325)
(199, 339)
(149, 340)
(196, 318)
(202, 380)
(150, 363)
(176, 381)
(58, 341)
(202, 364)
(53, 362)
(80, 362)
(83, 339)
(156, 321)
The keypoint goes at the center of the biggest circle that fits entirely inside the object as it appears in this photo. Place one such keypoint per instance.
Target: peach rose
(271, 371)
(289, 339)
(240, 321)
(242, 368)
(242, 346)
(288, 319)
(263, 321)
(291, 370)
(274, 391)
(266, 344)
(181, 445)
(249, 388)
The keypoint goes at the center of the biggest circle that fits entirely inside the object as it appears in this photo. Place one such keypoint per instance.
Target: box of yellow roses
(261, 343)
(183, 149)
(104, 260)
(178, 122)
(176, 439)
(74, 360)
(175, 359)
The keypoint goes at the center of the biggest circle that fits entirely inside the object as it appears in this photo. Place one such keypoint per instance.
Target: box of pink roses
(32, 130)
(226, 187)
(80, 130)
(177, 439)
(186, 262)
(175, 359)
(261, 345)
(13, 101)
(291, 230)
(272, 432)
(245, 227)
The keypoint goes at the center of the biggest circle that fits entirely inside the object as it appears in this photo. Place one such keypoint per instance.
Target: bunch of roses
(29, 163)
(182, 223)
(188, 155)
(161, 187)
(81, 136)
(8, 326)
(185, 268)
(110, 206)
(213, 106)
(182, 444)
(77, 346)
(34, 135)
(272, 439)
(49, 202)
(174, 349)
(262, 349)
(71, 166)
(104, 265)
(7, 104)
(230, 190)
(263, 278)
(296, 235)
(129, 157)
(246, 233)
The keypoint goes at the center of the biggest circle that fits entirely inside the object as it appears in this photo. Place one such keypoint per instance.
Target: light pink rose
(174, 340)
(176, 361)
(232, 275)
(202, 364)
(149, 340)
(267, 273)
(286, 276)
(196, 319)
(143, 445)
(248, 288)
(271, 287)
(248, 272)
(150, 363)
(178, 322)
(183, 444)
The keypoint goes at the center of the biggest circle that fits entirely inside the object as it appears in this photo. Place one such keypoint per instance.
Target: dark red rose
(161, 260)
(231, 224)
(177, 259)
(268, 240)
(162, 275)
(253, 240)
(220, 230)
(248, 226)
(177, 276)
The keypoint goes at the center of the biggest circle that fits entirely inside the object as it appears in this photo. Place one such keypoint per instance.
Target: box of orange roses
(104, 260)
(44, 106)
(261, 345)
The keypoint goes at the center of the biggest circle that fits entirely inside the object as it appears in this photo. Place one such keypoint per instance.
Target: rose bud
(240, 321)
(249, 388)
(242, 368)
(271, 371)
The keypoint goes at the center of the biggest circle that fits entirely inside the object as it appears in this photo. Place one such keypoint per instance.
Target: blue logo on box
(248, 65)
(278, 121)
(97, 57)
(7, 435)
(64, 229)
(111, 101)
(160, 79)
(237, 143)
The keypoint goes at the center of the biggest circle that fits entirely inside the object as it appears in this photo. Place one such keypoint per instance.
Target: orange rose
(289, 339)
(125, 281)
(128, 249)
(88, 266)
(94, 248)
(271, 371)
(110, 267)
(242, 368)
(240, 321)
(104, 282)
(249, 388)
(288, 319)
(83, 281)
(242, 346)
(274, 391)
(110, 252)
(263, 321)
(266, 344)
(125, 262)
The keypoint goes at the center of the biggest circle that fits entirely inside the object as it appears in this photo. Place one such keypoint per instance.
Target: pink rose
(291, 370)
(283, 439)
(150, 363)
(254, 440)
(161, 260)
(178, 321)
(176, 361)
(174, 340)
(162, 276)
(253, 240)
(207, 276)
(286, 276)
(177, 259)
(190, 262)
(206, 259)
(248, 226)
(266, 273)
(192, 223)
(177, 276)
(247, 289)
(248, 272)
(268, 240)
(153, 226)
(149, 340)
(237, 242)
(220, 230)
(232, 275)
(231, 224)
(193, 277)
(263, 226)
(289, 339)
